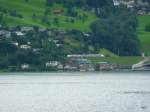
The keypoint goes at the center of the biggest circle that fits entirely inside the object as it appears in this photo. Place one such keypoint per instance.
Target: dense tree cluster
(117, 32)
(147, 28)
(100, 7)
(15, 13)
(42, 47)
(2, 22)
(82, 3)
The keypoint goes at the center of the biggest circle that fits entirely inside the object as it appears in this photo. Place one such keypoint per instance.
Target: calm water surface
(75, 92)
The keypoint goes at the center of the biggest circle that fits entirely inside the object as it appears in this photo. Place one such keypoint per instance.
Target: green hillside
(143, 35)
(27, 10)
(38, 7)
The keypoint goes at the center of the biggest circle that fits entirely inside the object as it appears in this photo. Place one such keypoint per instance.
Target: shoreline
(112, 71)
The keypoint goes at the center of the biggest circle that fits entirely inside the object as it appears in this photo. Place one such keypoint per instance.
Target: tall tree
(117, 32)
(49, 2)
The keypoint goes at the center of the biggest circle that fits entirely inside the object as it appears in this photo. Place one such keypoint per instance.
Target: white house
(85, 55)
(42, 29)
(60, 67)
(49, 32)
(25, 66)
(37, 49)
(25, 47)
(15, 43)
(19, 33)
(26, 29)
(128, 3)
(86, 34)
(105, 66)
(59, 45)
(52, 64)
(29, 43)
(5, 33)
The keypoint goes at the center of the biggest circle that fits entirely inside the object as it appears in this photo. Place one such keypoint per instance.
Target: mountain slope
(37, 7)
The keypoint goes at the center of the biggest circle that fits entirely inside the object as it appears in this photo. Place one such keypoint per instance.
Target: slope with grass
(38, 7)
(144, 36)
(26, 9)
(107, 53)
(118, 60)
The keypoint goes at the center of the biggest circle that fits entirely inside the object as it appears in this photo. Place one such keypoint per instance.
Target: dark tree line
(117, 32)
(2, 22)
(100, 7)
(79, 3)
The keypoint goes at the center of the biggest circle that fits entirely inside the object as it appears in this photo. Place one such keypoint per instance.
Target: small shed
(58, 12)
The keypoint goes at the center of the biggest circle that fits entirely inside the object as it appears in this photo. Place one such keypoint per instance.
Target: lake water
(75, 92)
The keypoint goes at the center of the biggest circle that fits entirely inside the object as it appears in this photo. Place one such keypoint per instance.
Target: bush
(71, 12)
(3, 10)
(147, 28)
(26, 1)
(16, 14)
(67, 19)
(56, 21)
(34, 16)
(72, 20)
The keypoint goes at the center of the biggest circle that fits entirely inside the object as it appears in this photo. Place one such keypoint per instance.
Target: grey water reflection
(75, 92)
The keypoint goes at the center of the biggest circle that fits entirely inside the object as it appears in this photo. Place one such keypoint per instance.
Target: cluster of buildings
(85, 65)
(141, 6)
(13, 35)
(78, 62)
(9, 32)
(82, 65)
(55, 35)
(23, 30)
(128, 3)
